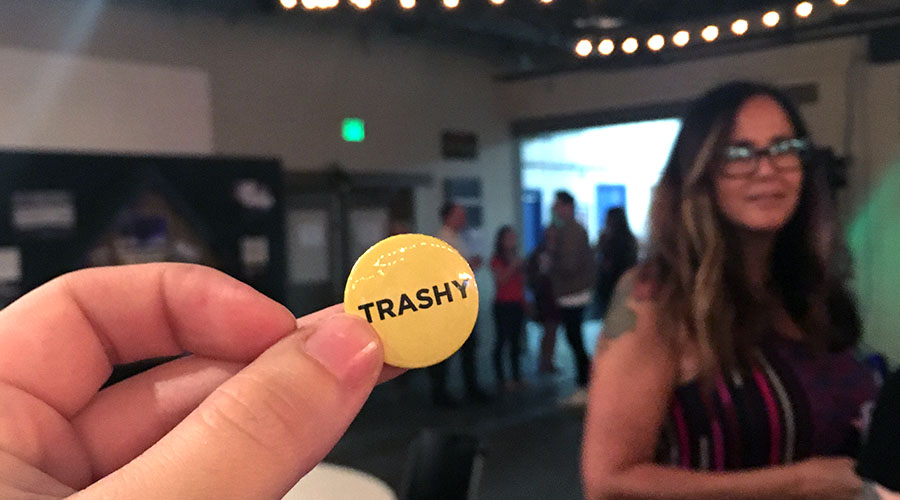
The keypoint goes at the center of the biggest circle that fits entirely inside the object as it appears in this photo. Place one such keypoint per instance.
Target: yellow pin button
(419, 294)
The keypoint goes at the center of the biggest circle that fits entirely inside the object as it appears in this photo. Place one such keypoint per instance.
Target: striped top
(792, 405)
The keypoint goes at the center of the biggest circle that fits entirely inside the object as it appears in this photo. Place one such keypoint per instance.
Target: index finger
(59, 342)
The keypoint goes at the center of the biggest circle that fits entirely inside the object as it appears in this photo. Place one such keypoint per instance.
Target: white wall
(54, 101)
(858, 112)
(825, 64)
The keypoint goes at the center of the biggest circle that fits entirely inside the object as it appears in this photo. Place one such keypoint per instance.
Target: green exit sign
(353, 129)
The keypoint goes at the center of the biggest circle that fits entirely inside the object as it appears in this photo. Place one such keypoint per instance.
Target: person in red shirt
(509, 312)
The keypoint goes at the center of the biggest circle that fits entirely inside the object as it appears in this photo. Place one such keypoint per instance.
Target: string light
(584, 47)
(771, 19)
(710, 33)
(328, 4)
(681, 38)
(606, 47)
(804, 9)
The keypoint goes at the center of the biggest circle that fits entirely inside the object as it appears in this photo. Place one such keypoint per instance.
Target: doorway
(601, 166)
(331, 219)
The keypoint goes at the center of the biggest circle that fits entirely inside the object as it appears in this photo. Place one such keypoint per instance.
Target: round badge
(419, 294)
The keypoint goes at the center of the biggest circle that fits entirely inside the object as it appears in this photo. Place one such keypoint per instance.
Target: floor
(531, 443)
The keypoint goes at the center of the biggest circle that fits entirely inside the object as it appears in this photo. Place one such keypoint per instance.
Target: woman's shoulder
(634, 295)
(631, 335)
(633, 315)
(638, 282)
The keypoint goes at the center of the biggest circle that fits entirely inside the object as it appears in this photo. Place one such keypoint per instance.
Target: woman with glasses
(725, 369)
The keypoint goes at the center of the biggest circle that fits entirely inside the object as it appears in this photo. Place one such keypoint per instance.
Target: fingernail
(344, 346)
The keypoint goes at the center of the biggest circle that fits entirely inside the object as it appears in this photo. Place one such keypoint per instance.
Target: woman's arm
(635, 372)
(799, 481)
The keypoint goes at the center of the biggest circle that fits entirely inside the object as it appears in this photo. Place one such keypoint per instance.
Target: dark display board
(62, 212)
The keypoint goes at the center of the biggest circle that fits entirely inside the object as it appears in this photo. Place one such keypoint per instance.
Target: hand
(828, 479)
(885, 494)
(260, 401)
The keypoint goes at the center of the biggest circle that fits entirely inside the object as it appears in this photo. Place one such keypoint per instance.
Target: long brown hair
(695, 257)
(499, 251)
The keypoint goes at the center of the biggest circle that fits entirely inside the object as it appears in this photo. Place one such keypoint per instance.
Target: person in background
(572, 274)
(545, 310)
(398, 226)
(509, 311)
(879, 459)
(726, 366)
(401, 384)
(617, 252)
(453, 219)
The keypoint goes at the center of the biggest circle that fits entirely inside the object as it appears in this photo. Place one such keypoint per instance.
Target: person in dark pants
(879, 460)
(545, 310)
(509, 313)
(572, 272)
(617, 252)
(453, 217)
(572, 320)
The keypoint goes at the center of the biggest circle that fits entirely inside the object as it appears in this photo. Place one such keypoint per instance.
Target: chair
(442, 466)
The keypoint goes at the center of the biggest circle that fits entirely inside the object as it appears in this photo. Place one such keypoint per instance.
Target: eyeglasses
(742, 160)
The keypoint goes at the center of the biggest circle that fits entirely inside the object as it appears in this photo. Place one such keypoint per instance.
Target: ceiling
(527, 36)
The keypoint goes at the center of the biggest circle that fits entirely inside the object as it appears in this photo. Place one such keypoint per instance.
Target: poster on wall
(43, 213)
(151, 229)
(254, 254)
(308, 243)
(367, 227)
(10, 275)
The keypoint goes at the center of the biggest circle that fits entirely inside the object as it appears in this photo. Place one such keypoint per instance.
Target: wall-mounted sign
(459, 145)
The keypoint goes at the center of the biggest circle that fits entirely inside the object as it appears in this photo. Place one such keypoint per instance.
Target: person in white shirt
(453, 218)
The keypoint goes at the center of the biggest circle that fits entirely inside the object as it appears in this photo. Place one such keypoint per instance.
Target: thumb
(267, 426)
